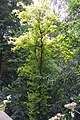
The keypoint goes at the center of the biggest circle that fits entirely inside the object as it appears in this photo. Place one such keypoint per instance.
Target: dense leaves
(43, 73)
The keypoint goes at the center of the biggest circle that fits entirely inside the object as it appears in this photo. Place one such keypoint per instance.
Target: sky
(59, 6)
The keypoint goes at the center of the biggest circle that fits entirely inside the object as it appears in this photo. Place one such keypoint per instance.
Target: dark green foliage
(17, 108)
(74, 9)
(77, 115)
(9, 62)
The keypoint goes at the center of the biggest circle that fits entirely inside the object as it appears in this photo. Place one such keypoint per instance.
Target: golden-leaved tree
(42, 43)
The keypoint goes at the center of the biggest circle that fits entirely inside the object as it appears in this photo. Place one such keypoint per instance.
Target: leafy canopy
(43, 42)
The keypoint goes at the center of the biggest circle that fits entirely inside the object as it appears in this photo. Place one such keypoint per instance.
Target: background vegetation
(39, 59)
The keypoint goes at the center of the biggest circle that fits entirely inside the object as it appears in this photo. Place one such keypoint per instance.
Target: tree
(9, 62)
(43, 45)
(8, 24)
(36, 44)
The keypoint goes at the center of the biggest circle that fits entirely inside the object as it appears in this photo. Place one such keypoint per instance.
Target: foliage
(36, 43)
(42, 44)
(74, 9)
(46, 55)
(2, 107)
(9, 26)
